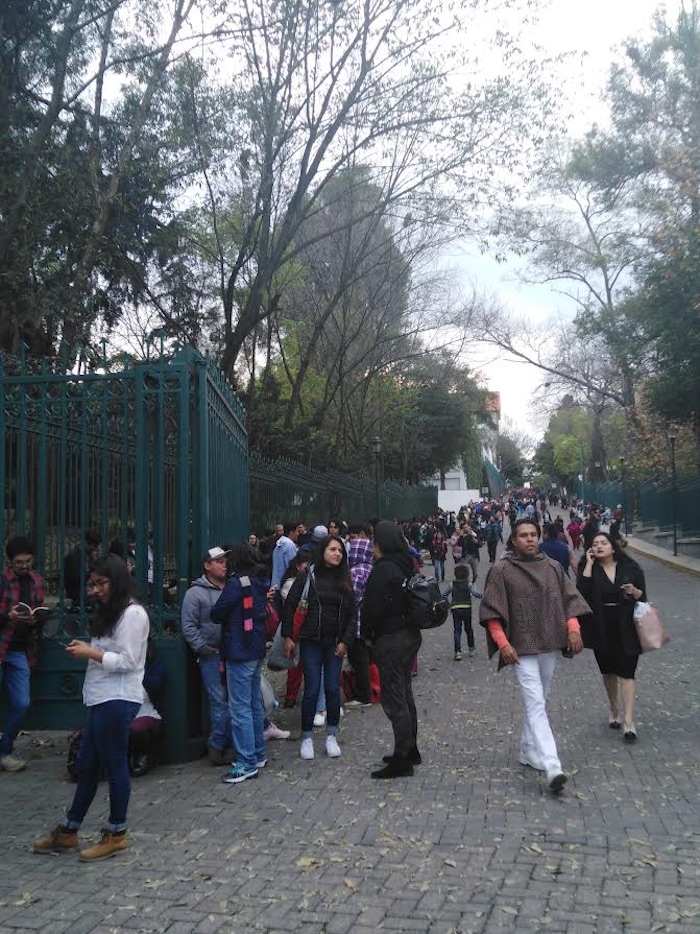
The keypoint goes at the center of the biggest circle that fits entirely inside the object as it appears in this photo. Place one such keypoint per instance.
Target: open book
(25, 610)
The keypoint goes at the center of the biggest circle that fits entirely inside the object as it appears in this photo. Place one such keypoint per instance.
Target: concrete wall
(452, 500)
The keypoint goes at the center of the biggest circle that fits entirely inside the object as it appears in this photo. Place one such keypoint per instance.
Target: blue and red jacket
(241, 610)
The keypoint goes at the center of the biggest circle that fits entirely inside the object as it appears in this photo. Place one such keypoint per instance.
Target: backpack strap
(310, 576)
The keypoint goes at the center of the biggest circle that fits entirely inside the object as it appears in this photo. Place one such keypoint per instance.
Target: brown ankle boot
(58, 840)
(110, 843)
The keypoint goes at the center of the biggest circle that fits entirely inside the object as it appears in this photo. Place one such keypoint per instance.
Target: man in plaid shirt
(18, 584)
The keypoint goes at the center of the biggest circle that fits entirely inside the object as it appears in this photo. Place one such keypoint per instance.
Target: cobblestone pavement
(473, 842)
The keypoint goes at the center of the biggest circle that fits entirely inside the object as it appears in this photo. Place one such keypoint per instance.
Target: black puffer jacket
(384, 603)
(331, 610)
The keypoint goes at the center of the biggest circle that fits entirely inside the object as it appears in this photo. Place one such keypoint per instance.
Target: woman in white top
(112, 693)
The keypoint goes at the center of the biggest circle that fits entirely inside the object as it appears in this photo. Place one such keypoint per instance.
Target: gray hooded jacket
(195, 618)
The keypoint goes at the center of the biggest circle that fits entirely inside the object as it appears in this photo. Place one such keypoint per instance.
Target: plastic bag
(276, 659)
(267, 694)
(650, 629)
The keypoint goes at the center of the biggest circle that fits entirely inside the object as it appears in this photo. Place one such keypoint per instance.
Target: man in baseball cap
(204, 637)
(214, 554)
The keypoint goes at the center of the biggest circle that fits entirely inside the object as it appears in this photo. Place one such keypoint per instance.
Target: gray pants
(473, 562)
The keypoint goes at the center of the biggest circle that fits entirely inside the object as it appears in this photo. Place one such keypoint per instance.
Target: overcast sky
(594, 31)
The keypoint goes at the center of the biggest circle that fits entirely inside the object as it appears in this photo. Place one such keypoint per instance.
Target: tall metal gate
(155, 459)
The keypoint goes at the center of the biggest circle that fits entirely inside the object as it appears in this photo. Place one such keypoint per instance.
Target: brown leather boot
(110, 844)
(58, 840)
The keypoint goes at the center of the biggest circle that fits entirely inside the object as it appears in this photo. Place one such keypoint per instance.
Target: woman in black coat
(612, 582)
(328, 630)
(394, 644)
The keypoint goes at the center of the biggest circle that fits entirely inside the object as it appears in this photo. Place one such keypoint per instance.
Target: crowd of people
(336, 594)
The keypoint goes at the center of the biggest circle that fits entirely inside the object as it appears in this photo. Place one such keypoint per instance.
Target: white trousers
(534, 674)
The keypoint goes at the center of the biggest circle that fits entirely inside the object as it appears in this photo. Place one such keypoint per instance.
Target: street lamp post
(672, 442)
(377, 450)
(583, 494)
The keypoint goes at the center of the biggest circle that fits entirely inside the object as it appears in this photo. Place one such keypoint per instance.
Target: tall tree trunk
(14, 212)
(74, 323)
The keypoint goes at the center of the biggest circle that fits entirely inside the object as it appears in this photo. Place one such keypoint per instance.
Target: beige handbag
(650, 629)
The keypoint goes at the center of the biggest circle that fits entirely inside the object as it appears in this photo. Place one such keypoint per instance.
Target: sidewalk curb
(679, 563)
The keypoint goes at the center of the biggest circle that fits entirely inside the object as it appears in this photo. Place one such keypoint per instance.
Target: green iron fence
(651, 504)
(283, 491)
(655, 506)
(494, 479)
(604, 494)
(155, 459)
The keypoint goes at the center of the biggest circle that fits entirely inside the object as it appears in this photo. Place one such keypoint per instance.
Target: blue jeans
(247, 714)
(14, 674)
(220, 735)
(321, 699)
(104, 748)
(319, 657)
(439, 568)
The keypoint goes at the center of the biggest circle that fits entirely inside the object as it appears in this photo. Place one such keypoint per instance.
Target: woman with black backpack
(395, 644)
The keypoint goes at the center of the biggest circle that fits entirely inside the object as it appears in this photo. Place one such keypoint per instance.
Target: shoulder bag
(302, 608)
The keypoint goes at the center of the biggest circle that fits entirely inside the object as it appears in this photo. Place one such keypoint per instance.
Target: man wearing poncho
(530, 610)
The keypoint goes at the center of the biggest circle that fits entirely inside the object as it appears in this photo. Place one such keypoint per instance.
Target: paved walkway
(473, 842)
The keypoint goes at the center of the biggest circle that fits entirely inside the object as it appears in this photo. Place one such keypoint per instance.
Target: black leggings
(463, 617)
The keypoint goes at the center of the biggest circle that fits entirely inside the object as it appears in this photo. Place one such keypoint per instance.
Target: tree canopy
(271, 182)
(614, 223)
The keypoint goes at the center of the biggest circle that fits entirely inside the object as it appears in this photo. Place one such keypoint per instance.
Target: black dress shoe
(414, 757)
(142, 765)
(397, 768)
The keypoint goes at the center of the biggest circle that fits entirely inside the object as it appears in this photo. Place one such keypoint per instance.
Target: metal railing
(656, 507)
(155, 459)
(283, 490)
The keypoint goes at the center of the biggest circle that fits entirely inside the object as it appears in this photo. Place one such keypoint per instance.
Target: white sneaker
(320, 718)
(274, 732)
(306, 750)
(12, 763)
(332, 747)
